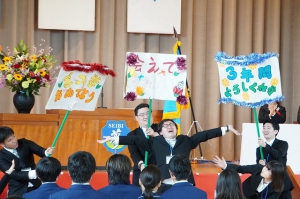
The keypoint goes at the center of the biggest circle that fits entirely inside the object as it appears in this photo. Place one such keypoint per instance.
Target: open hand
(230, 127)
(220, 162)
(106, 139)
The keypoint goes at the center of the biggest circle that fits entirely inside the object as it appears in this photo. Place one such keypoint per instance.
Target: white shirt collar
(271, 142)
(10, 150)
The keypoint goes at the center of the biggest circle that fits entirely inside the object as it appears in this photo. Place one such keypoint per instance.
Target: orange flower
(139, 90)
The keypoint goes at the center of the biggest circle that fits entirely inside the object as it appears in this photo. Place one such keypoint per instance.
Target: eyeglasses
(143, 114)
(169, 125)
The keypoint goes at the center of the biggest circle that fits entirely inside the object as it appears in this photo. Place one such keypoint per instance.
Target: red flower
(47, 77)
(38, 79)
(278, 113)
(17, 65)
(31, 74)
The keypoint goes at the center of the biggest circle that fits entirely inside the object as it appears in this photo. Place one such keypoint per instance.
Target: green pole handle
(258, 134)
(148, 126)
(60, 129)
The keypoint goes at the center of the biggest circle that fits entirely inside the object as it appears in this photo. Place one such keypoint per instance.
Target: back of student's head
(48, 169)
(150, 178)
(5, 132)
(277, 170)
(138, 107)
(229, 185)
(180, 166)
(118, 168)
(81, 166)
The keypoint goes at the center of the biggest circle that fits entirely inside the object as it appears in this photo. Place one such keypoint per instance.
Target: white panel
(287, 132)
(153, 16)
(67, 14)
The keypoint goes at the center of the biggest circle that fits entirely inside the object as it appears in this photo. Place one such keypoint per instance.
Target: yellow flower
(225, 82)
(43, 73)
(132, 71)
(33, 58)
(139, 90)
(274, 82)
(7, 59)
(24, 65)
(25, 84)
(252, 66)
(18, 77)
(9, 77)
(245, 96)
(221, 65)
(3, 67)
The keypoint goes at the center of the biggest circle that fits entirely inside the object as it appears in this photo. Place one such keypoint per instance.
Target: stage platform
(205, 175)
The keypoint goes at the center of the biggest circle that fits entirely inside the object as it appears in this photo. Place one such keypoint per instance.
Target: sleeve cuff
(223, 129)
(32, 174)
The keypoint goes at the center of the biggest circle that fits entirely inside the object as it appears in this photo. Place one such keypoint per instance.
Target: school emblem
(114, 128)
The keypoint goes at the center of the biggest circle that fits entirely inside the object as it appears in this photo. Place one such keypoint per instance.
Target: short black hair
(274, 124)
(48, 169)
(180, 166)
(81, 166)
(118, 168)
(5, 132)
(138, 107)
(161, 124)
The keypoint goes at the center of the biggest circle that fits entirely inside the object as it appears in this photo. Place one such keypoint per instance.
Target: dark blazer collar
(182, 184)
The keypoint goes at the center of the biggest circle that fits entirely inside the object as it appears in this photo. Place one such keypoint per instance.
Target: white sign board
(67, 14)
(154, 75)
(153, 16)
(76, 87)
(251, 80)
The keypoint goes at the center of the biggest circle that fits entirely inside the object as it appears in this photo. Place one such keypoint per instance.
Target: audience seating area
(205, 181)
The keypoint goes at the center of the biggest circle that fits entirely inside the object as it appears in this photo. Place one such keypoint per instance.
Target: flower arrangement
(20, 71)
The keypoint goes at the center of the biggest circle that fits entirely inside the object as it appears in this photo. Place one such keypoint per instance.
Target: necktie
(15, 152)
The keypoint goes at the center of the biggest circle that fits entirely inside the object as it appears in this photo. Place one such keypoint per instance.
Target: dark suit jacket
(278, 151)
(251, 183)
(45, 190)
(78, 191)
(264, 115)
(184, 190)
(5, 179)
(161, 148)
(121, 191)
(19, 179)
(137, 154)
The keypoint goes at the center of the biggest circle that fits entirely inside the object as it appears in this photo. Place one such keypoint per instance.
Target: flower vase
(22, 102)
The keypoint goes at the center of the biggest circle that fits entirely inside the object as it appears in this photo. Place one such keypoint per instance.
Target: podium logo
(114, 128)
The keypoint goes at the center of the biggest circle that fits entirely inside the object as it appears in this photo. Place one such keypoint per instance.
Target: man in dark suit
(47, 170)
(167, 143)
(273, 148)
(118, 169)
(81, 167)
(180, 169)
(24, 178)
(272, 111)
(137, 153)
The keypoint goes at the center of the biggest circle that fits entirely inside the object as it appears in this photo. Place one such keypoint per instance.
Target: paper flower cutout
(181, 63)
(132, 59)
(130, 96)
